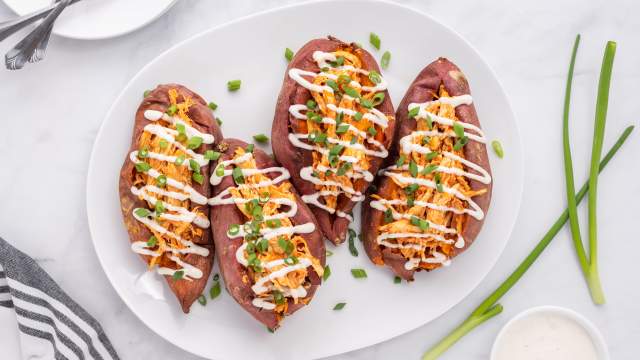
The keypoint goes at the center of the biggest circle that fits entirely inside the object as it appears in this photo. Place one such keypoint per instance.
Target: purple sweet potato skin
(158, 99)
(294, 159)
(424, 88)
(236, 276)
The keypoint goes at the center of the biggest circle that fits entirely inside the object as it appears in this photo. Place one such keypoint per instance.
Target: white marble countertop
(52, 112)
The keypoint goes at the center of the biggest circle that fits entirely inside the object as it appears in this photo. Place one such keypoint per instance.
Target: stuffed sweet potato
(431, 200)
(332, 127)
(164, 188)
(269, 247)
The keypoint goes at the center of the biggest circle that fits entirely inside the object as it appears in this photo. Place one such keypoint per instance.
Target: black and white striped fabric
(38, 320)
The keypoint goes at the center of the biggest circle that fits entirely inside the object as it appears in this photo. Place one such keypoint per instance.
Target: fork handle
(7, 28)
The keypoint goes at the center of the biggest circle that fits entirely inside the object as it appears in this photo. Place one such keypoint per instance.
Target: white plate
(252, 49)
(98, 19)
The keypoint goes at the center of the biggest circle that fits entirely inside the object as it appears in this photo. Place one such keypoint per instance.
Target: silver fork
(32, 48)
(7, 28)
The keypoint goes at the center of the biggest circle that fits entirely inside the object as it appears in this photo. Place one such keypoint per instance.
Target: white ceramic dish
(252, 49)
(592, 330)
(98, 19)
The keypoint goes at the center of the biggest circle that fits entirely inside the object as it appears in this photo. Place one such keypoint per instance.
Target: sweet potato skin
(235, 275)
(294, 159)
(158, 99)
(422, 89)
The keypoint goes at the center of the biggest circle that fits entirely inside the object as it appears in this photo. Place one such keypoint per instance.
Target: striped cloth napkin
(38, 320)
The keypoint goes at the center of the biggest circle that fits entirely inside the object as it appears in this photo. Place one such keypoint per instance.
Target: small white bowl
(588, 326)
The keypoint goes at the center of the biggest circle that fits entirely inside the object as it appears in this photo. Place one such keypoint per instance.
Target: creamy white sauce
(408, 147)
(263, 284)
(173, 212)
(545, 336)
(305, 79)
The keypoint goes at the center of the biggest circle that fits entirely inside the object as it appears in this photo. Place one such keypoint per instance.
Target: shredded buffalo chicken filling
(160, 243)
(338, 138)
(262, 248)
(409, 194)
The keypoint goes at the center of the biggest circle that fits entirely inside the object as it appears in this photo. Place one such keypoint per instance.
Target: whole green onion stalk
(489, 307)
(588, 265)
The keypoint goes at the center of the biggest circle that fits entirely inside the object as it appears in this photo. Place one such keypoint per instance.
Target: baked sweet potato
(332, 127)
(432, 197)
(164, 188)
(269, 246)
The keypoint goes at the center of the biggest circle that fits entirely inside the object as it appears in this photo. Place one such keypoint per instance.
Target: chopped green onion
(339, 306)
(375, 77)
(178, 275)
(397, 280)
(216, 277)
(152, 241)
(194, 165)
(288, 54)
(194, 142)
(159, 208)
(142, 166)
(219, 121)
(215, 290)
(179, 160)
(374, 40)
(291, 260)
(401, 160)
(249, 148)
(274, 223)
(212, 155)
(366, 103)
(378, 98)
(220, 170)
(233, 229)
(429, 169)
(344, 79)
(411, 188)
(386, 57)
(413, 168)
(318, 137)
(143, 153)
(432, 155)
(339, 118)
(171, 110)
(351, 92)
(142, 212)
(264, 197)
(285, 245)
(437, 180)
(343, 128)
(359, 273)
(352, 245)
(353, 140)
(327, 271)
(163, 144)
(336, 149)
(372, 131)
(197, 177)
(234, 85)
(202, 300)
(413, 112)
(460, 143)
(357, 116)
(278, 298)
(458, 129)
(429, 122)
(333, 85)
(425, 140)
(261, 138)
(263, 245)
(497, 148)
(161, 181)
(146, 93)
(311, 104)
(388, 216)
(212, 105)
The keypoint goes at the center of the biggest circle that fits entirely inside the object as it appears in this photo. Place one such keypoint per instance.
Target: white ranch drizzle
(183, 215)
(225, 198)
(374, 115)
(408, 146)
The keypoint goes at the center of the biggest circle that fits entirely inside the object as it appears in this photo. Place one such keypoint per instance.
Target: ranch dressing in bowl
(549, 333)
